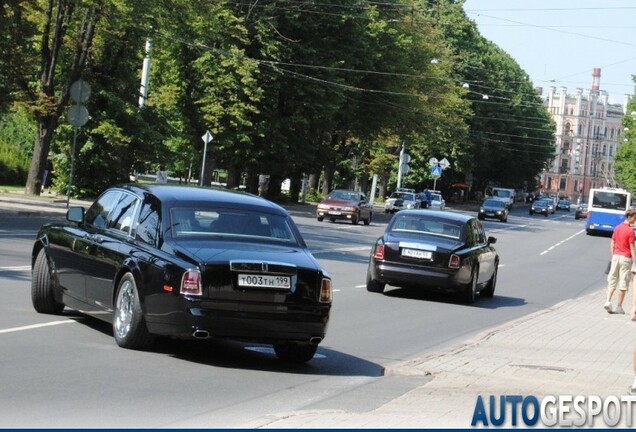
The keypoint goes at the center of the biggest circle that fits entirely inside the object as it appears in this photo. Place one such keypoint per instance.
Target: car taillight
(191, 283)
(379, 251)
(326, 291)
(454, 261)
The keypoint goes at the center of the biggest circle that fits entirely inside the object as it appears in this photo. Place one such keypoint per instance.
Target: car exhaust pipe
(315, 340)
(201, 334)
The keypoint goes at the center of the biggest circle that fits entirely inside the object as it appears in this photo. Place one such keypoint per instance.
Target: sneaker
(618, 310)
(608, 307)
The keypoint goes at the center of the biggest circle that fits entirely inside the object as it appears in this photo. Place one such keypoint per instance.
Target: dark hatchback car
(581, 212)
(436, 250)
(188, 263)
(563, 205)
(492, 208)
(540, 207)
(345, 205)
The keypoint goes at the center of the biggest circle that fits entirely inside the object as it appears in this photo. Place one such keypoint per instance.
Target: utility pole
(145, 71)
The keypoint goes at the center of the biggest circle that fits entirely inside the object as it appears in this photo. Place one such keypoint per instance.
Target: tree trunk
(49, 97)
(273, 191)
(295, 186)
(252, 183)
(41, 148)
(233, 177)
(313, 182)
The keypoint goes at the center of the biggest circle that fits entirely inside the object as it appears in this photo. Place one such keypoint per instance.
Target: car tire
(129, 325)
(355, 219)
(546, 215)
(367, 221)
(373, 285)
(295, 352)
(481, 217)
(470, 292)
(332, 220)
(42, 287)
(320, 219)
(489, 291)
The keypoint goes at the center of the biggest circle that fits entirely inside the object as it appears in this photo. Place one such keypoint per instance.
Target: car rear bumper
(436, 278)
(187, 319)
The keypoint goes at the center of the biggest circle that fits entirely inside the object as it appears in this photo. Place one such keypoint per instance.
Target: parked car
(434, 250)
(563, 205)
(400, 200)
(188, 263)
(581, 212)
(541, 207)
(348, 205)
(437, 201)
(493, 208)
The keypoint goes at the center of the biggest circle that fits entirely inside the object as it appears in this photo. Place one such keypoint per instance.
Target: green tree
(625, 158)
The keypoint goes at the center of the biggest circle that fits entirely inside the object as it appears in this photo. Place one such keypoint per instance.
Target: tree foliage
(328, 88)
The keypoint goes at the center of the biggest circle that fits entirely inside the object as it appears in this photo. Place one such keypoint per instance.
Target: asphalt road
(68, 372)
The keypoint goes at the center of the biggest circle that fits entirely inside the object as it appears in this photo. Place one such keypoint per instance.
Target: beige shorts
(620, 274)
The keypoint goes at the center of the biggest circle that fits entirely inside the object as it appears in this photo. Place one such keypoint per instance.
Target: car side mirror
(492, 240)
(75, 214)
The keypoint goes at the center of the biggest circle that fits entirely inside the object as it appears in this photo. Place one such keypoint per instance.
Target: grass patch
(11, 189)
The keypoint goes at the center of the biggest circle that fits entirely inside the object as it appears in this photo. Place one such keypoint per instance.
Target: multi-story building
(588, 134)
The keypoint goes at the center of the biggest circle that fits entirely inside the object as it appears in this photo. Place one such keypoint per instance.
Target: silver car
(437, 201)
(399, 201)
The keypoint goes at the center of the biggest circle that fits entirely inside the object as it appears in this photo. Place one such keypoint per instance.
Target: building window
(562, 183)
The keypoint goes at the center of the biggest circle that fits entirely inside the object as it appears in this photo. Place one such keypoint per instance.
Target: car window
(122, 216)
(481, 233)
(231, 223)
(147, 230)
(417, 225)
(97, 214)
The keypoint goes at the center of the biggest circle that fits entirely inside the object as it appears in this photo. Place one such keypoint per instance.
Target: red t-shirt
(623, 237)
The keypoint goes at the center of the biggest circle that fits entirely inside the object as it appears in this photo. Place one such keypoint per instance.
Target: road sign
(433, 162)
(404, 168)
(444, 163)
(207, 137)
(436, 171)
(77, 115)
(80, 91)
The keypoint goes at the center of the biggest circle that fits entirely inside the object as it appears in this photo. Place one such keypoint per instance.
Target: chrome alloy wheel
(124, 309)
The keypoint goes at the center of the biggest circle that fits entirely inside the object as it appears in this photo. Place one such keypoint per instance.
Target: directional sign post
(77, 116)
(206, 139)
(437, 166)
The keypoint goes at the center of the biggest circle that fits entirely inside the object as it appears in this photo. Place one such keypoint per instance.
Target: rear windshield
(419, 225)
(190, 222)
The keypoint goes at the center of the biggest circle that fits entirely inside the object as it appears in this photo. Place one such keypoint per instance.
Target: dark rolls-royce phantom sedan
(187, 263)
(435, 250)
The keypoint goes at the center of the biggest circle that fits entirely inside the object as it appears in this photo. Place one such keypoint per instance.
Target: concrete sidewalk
(573, 348)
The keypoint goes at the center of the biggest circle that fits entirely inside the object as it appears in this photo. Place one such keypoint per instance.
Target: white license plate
(415, 253)
(335, 213)
(264, 281)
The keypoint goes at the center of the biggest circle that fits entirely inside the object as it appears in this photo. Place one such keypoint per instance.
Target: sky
(559, 42)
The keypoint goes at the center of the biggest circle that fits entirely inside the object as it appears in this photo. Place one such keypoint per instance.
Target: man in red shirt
(620, 274)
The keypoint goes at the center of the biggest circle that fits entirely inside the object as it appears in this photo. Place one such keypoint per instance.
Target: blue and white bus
(606, 208)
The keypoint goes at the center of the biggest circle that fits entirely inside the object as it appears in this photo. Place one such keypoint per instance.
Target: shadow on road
(453, 298)
(232, 354)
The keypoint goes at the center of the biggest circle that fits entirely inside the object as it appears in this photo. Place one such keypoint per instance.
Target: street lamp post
(206, 139)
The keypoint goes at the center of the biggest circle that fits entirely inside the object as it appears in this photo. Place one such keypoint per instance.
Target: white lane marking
(35, 326)
(551, 248)
(15, 268)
